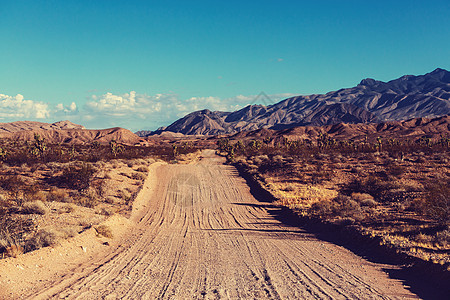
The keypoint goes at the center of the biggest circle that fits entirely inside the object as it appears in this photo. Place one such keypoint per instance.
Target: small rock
(84, 248)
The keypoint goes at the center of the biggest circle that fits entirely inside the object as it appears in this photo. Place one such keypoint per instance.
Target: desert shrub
(67, 208)
(104, 230)
(86, 201)
(125, 195)
(57, 195)
(342, 207)
(48, 237)
(322, 208)
(142, 169)
(110, 200)
(138, 176)
(437, 201)
(10, 244)
(368, 202)
(43, 238)
(423, 238)
(364, 199)
(372, 185)
(14, 250)
(395, 169)
(12, 233)
(35, 207)
(361, 196)
(442, 238)
(39, 195)
(106, 211)
(77, 176)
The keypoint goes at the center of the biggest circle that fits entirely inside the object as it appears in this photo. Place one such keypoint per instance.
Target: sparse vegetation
(104, 230)
(45, 186)
(393, 188)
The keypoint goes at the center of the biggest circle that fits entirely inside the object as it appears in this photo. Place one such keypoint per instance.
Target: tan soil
(196, 232)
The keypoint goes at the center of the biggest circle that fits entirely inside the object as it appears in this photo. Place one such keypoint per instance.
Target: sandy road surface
(201, 234)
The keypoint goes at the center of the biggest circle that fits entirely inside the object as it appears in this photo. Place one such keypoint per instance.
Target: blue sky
(143, 64)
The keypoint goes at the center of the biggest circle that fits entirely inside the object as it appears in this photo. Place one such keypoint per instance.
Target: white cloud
(69, 109)
(17, 108)
(130, 110)
(141, 111)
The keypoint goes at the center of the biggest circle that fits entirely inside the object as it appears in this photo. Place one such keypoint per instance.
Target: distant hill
(371, 101)
(65, 132)
(30, 125)
(414, 128)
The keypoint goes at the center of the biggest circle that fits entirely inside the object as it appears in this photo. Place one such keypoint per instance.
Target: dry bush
(423, 238)
(104, 230)
(9, 244)
(77, 176)
(395, 169)
(372, 185)
(437, 201)
(142, 169)
(48, 237)
(364, 199)
(125, 195)
(86, 201)
(40, 195)
(67, 208)
(57, 195)
(14, 250)
(138, 176)
(110, 200)
(35, 207)
(442, 238)
(43, 238)
(342, 207)
(106, 211)
(289, 187)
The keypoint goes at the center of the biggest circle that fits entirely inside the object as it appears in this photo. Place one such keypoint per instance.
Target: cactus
(115, 148)
(39, 146)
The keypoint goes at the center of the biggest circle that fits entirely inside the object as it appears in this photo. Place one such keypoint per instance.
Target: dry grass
(49, 237)
(35, 207)
(64, 209)
(406, 202)
(104, 230)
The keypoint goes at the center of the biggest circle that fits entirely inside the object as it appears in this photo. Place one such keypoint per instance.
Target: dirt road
(201, 234)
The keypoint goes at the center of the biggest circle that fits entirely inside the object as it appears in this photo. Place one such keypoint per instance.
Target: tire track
(203, 236)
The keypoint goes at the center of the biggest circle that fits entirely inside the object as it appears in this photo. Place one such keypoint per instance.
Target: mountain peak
(440, 74)
(369, 82)
(439, 70)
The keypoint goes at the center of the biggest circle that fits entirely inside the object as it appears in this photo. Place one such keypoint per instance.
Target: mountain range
(371, 101)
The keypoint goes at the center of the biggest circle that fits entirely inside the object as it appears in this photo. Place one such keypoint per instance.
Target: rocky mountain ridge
(371, 101)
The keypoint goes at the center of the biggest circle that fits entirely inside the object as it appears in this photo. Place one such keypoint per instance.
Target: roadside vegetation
(50, 192)
(395, 190)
